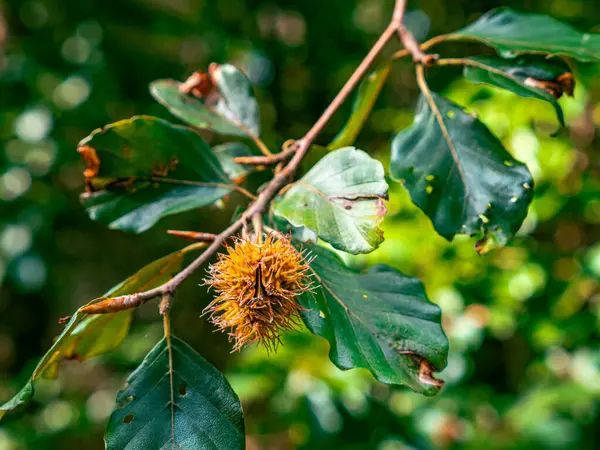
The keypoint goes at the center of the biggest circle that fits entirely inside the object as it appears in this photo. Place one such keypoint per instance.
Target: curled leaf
(224, 103)
(532, 76)
(564, 83)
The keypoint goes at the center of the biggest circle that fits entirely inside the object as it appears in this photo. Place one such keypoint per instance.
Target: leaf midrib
(506, 43)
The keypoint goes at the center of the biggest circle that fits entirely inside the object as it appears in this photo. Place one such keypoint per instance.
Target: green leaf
(460, 175)
(380, 320)
(523, 75)
(22, 397)
(300, 234)
(341, 199)
(86, 336)
(144, 168)
(226, 152)
(232, 112)
(368, 92)
(512, 32)
(176, 399)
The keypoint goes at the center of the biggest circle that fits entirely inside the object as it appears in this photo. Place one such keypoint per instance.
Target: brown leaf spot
(126, 401)
(567, 83)
(199, 84)
(563, 83)
(551, 87)
(128, 418)
(182, 390)
(93, 164)
(160, 169)
(64, 319)
(426, 374)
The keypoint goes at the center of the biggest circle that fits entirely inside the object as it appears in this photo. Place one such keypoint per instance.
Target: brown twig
(265, 160)
(192, 235)
(260, 144)
(274, 232)
(408, 40)
(299, 149)
(423, 47)
(257, 225)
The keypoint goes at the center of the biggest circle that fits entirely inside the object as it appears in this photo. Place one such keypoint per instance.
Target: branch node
(166, 303)
(408, 40)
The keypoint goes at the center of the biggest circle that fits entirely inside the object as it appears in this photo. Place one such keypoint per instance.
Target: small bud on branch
(193, 235)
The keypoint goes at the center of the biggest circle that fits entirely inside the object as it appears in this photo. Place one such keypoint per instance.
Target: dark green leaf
(144, 168)
(512, 32)
(460, 175)
(368, 92)
(86, 336)
(341, 199)
(176, 399)
(233, 111)
(380, 320)
(226, 152)
(525, 76)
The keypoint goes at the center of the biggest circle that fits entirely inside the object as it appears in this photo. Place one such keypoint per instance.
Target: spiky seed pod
(257, 285)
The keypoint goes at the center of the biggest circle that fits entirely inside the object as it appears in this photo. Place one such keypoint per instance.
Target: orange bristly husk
(257, 286)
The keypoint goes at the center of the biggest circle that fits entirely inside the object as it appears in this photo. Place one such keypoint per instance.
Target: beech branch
(297, 150)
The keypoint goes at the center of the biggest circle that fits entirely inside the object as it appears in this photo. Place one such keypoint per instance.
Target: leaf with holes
(341, 199)
(460, 175)
(512, 32)
(380, 320)
(368, 92)
(176, 399)
(86, 336)
(532, 76)
(230, 108)
(142, 169)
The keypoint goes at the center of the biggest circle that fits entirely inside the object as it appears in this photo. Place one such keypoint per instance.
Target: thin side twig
(192, 235)
(265, 160)
(408, 40)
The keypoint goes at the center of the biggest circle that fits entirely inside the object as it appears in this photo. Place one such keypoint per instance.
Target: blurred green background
(523, 322)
